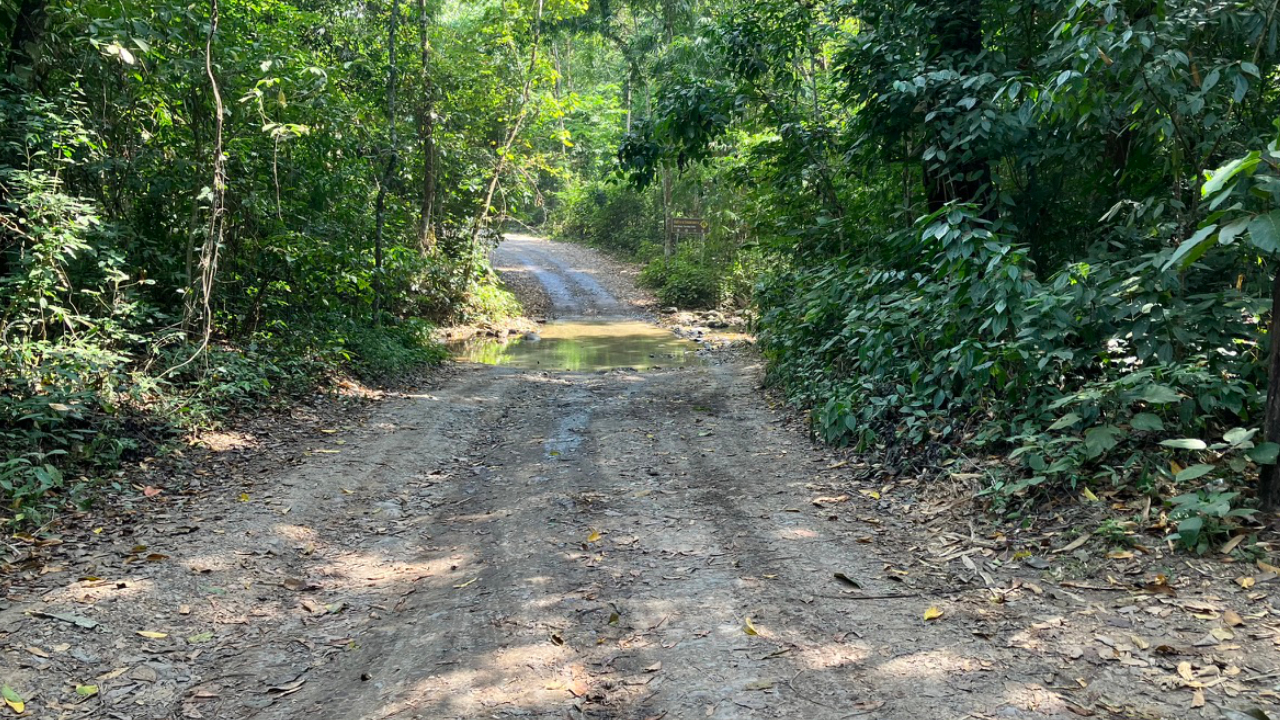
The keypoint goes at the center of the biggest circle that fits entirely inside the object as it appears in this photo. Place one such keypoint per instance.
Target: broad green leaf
(1065, 421)
(1146, 421)
(1220, 177)
(1264, 232)
(1235, 436)
(1192, 248)
(1098, 440)
(1185, 444)
(1264, 454)
(1193, 472)
(1231, 231)
(1160, 395)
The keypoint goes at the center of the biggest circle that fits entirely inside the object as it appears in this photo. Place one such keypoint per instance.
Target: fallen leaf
(1231, 618)
(594, 536)
(1231, 544)
(933, 613)
(1268, 568)
(1074, 544)
(152, 634)
(200, 637)
(1222, 633)
(244, 497)
(13, 699)
(829, 500)
(151, 491)
(299, 585)
(579, 688)
(459, 587)
(86, 691)
(287, 688)
(654, 667)
(759, 685)
(1197, 699)
(748, 628)
(847, 580)
(77, 620)
(1184, 670)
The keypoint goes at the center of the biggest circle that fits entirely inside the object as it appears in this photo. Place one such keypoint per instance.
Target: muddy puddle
(583, 346)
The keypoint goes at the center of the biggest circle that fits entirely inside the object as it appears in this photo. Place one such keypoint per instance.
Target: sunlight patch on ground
(89, 592)
(225, 441)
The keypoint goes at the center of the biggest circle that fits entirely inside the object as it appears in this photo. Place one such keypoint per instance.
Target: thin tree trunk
(199, 308)
(426, 136)
(1269, 480)
(482, 217)
(381, 203)
(626, 98)
(668, 232)
(28, 27)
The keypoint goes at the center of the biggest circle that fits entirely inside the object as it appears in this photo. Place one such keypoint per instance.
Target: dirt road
(558, 545)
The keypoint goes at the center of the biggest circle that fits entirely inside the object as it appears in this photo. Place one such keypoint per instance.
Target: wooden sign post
(688, 227)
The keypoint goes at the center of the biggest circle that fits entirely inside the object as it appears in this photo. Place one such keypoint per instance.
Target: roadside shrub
(607, 215)
(1092, 376)
(684, 280)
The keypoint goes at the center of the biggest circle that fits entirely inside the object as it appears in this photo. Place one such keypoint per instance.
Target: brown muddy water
(583, 346)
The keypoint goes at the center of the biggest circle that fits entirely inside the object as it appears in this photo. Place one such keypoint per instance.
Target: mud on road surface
(525, 544)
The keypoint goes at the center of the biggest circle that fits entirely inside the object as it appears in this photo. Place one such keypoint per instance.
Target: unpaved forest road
(526, 544)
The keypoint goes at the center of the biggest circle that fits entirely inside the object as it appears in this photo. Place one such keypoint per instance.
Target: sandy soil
(508, 544)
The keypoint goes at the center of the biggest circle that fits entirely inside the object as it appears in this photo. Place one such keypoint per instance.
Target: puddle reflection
(583, 346)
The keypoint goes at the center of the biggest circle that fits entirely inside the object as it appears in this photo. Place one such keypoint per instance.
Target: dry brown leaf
(1184, 670)
(1197, 699)
(1074, 544)
(1231, 618)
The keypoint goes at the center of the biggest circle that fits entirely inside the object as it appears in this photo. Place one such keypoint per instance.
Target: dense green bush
(608, 215)
(685, 280)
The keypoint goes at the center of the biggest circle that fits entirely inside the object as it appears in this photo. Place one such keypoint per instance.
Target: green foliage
(982, 206)
(1205, 518)
(609, 215)
(684, 280)
(107, 134)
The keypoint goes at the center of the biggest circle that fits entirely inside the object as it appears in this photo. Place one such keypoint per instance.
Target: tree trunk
(28, 26)
(668, 232)
(426, 136)
(1269, 479)
(381, 203)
